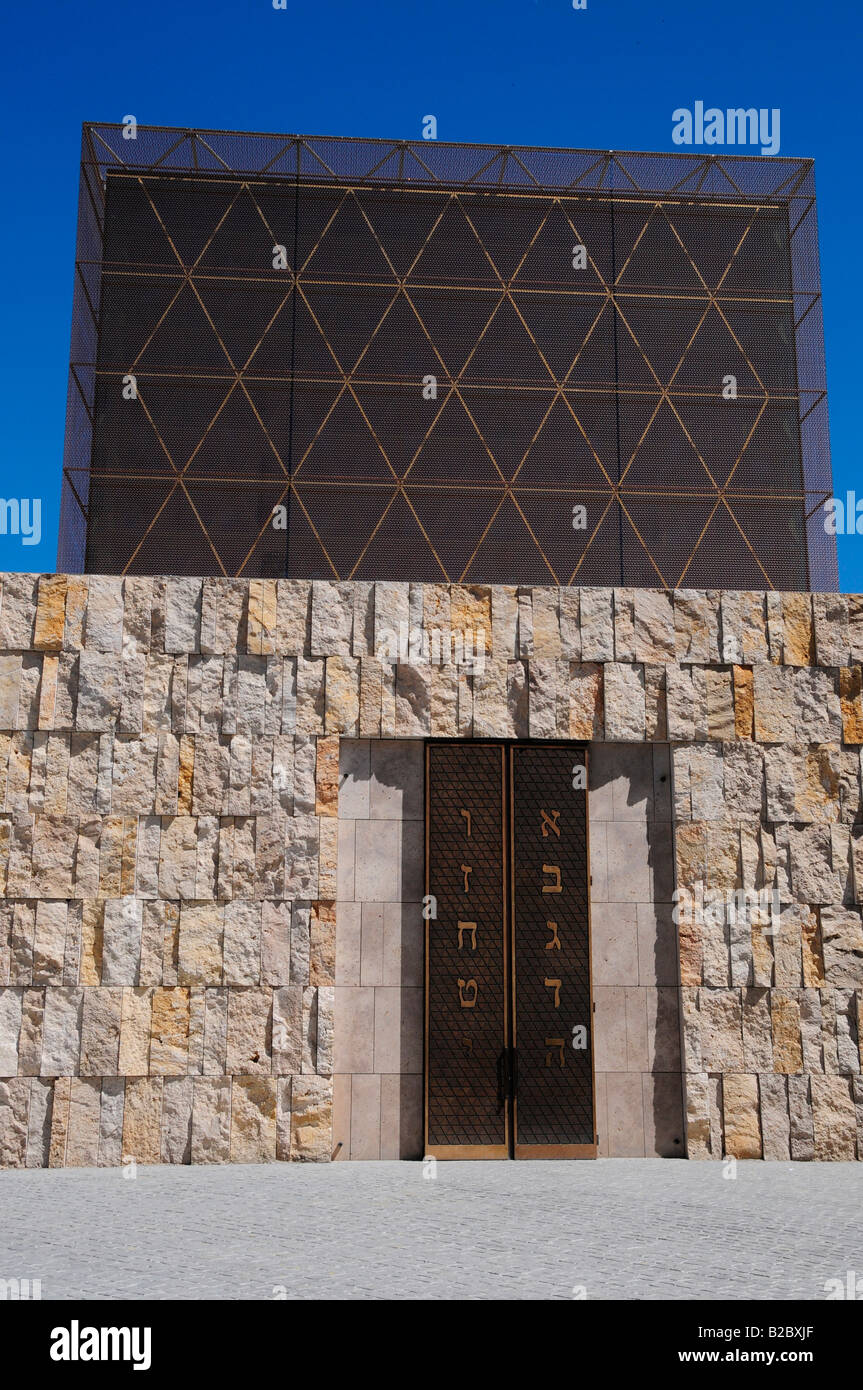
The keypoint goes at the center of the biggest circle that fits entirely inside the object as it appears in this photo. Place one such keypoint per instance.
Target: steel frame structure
(719, 513)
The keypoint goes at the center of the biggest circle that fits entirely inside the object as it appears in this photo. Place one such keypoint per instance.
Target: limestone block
(288, 1030)
(30, 1039)
(597, 625)
(82, 1140)
(215, 1044)
(787, 945)
(624, 702)
(707, 783)
(177, 1100)
(655, 635)
(392, 618)
(851, 703)
(775, 1119)
(413, 694)
(832, 643)
(200, 944)
(812, 951)
(38, 1124)
(49, 942)
(698, 1116)
(546, 624)
(14, 1104)
(570, 625)
(785, 1020)
(142, 1119)
(847, 1031)
(50, 613)
(744, 628)
(322, 944)
(491, 712)
(798, 633)
(311, 1118)
(623, 604)
(819, 711)
(100, 1032)
(275, 943)
(363, 604)
(121, 948)
(757, 1042)
(103, 628)
(100, 688)
(311, 700)
(681, 702)
(10, 1028)
(371, 690)
(300, 943)
(741, 1116)
(134, 1059)
(301, 857)
(813, 877)
(842, 945)
(249, 1032)
(84, 1116)
(178, 857)
(546, 682)
(743, 773)
(242, 943)
(720, 703)
(586, 706)
(504, 622)
(800, 1116)
(744, 702)
(834, 1117)
(211, 1120)
(262, 617)
(59, 1122)
(169, 1035)
(775, 714)
(721, 1029)
(183, 608)
(61, 1033)
(343, 695)
(696, 625)
(253, 1119)
(18, 605)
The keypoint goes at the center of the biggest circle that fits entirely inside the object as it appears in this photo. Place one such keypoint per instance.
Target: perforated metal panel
(306, 387)
(467, 1098)
(552, 1008)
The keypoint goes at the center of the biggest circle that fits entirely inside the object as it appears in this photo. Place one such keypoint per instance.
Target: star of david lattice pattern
(427, 386)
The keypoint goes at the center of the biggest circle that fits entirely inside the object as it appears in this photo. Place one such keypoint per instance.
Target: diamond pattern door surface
(466, 953)
(509, 1037)
(553, 1024)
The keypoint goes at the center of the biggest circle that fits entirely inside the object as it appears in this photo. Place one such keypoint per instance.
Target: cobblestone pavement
(623, 1228)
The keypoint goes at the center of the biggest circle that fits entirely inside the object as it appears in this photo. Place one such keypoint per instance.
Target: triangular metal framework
(531, 364)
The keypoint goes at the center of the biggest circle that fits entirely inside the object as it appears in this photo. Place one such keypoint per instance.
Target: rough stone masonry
(169, 783)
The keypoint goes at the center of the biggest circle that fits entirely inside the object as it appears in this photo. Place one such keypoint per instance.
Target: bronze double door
(509, 1016)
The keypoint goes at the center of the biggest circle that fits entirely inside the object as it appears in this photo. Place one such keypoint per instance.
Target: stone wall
(169, 827)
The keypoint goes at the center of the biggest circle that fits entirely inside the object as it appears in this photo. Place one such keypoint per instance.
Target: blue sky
(535, 72)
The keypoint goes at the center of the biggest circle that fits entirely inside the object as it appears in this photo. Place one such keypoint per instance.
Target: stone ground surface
(623, 1228)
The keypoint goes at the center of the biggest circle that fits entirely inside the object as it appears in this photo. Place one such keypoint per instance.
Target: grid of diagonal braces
(697, 173)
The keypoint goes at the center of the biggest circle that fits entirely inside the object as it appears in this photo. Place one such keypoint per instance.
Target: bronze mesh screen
(302, 387)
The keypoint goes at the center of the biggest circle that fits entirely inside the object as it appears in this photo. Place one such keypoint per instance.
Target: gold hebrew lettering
(555, 887)
(466, 815)
(551, 1044)
(465, 998)
(462, 928)
(468, 1042)
(555, 985)
(554, 943)
(549, 822)
(467, 873)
